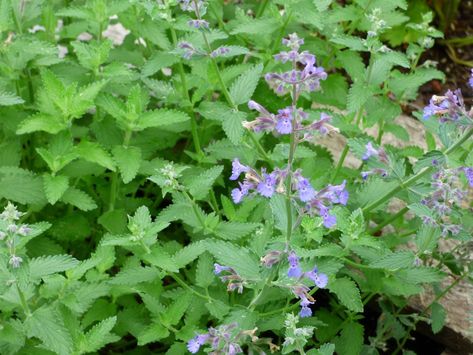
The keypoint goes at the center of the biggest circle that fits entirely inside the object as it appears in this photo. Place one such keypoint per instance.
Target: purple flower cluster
(316, 202)
(286, 121)
(320, 280)
(272, 258)
(263, 184)
(12, 231)
(226, 339)
(235, 282)
(219, 338)
(192, 6)
(219, 51)
(198, 24)
(449, 107)
(307, 79)
(447, 193)
(188, 49)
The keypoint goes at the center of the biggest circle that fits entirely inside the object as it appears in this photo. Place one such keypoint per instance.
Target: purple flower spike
(238, 169)
(266, 187)
(294, 268)
(370, 151)
(306, 191)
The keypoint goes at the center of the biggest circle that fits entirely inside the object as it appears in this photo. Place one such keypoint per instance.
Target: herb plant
(165, 187)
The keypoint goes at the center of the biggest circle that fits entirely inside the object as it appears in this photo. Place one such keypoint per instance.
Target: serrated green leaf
(41, 122)
(160, 258)
(176, 310)
(239, 258)
(100, 335)
(347, 292)
(128, 160)
(55, 186)
(135, 275)
(189, 253)
(437, 316)
(78, 199)
(234, 230)
(218, 309)
(153, 333)
(21, 186)
(420, 275)
(358, 94)
(200, 185)
(94, 153)
(350, 340)
(204, 271)
(393, 261)
(244, 86)
(161, 117)
(46, 325)
(47, 265)
(9, 99)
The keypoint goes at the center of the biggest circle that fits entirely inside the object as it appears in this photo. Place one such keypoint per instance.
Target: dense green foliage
(116, 142)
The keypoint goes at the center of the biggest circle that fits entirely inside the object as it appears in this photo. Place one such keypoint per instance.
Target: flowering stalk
(185, 91)
(411, 180)
(196, 8)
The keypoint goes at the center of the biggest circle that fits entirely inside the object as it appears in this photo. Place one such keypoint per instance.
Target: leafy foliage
(120, 122)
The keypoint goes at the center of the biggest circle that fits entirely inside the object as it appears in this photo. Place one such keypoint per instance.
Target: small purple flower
(470, 80)
(284, 121)
(188, 48)
(266, 187)
(294, 268)
(237, 195)
(238, 169)
(370, 151)
(220, 268)
(329, 220)
(272, 258)
(305, 310)
(320, 279)
(196, 342)
(306, 191)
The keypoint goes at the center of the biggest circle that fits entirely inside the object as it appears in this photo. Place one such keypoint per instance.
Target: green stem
(24, 304)
(194, 208)
(411, 180)
(185, 92)
(344, 154)
(228, 97)
(115, 182)
(187, 287)
(387, 221)
(261, 8)
(290, 161)
(424, 312)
